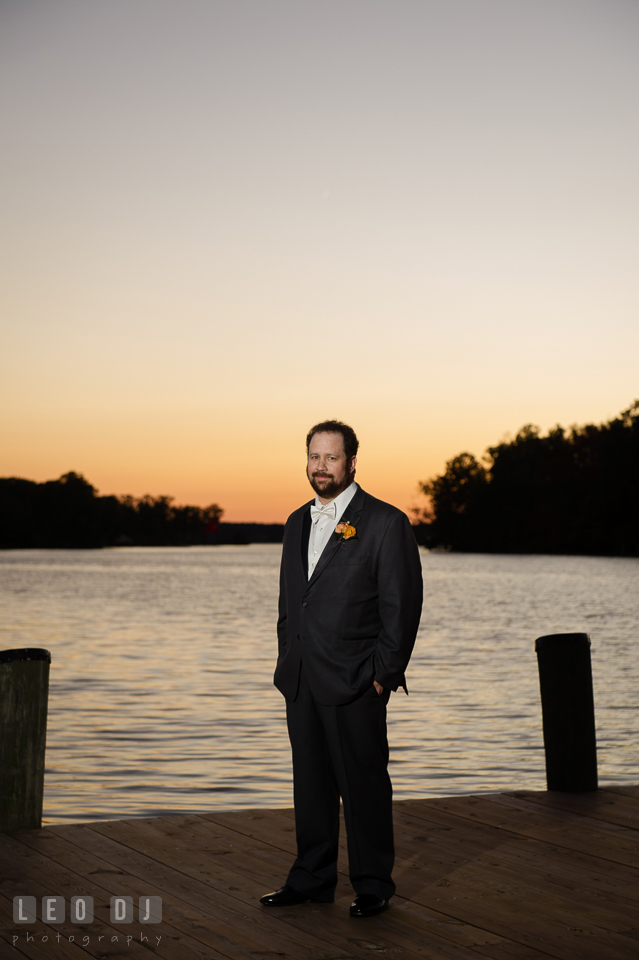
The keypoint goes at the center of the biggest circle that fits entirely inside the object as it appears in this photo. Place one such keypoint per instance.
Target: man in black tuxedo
(350, 603)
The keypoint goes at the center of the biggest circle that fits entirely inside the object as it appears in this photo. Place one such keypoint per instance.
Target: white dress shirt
(324, 523)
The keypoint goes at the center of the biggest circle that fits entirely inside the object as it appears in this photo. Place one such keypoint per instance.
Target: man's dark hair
(351, 443)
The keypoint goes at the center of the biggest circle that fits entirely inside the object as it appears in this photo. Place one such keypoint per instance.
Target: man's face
(328, 469)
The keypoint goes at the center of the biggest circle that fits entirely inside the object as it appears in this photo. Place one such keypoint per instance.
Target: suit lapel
(351, 513)
(306, 532)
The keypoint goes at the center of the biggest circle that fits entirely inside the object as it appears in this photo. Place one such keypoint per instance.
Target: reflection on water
(161, 683)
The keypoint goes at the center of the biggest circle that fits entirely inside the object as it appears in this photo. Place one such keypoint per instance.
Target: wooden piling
(24, 689)
(565, 680)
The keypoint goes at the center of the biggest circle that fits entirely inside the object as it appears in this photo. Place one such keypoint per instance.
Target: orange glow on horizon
(221, 230)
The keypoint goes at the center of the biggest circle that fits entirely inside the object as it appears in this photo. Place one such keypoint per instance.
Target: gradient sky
(224, 221)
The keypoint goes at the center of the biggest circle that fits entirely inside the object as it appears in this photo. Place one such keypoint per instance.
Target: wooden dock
(512, 876)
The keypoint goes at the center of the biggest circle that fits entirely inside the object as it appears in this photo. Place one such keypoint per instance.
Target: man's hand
(378, 687)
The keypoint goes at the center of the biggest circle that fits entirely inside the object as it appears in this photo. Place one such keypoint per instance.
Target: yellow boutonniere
(345, 531)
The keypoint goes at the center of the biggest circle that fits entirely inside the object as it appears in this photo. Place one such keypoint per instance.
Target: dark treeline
(69, 513)
(573, 491)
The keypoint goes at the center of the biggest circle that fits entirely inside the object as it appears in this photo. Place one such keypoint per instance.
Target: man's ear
(351, 466)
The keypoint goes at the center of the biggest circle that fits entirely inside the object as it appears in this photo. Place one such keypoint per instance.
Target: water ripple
(161, 683)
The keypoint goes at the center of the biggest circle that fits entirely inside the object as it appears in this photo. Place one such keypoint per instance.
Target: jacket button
(304, 603)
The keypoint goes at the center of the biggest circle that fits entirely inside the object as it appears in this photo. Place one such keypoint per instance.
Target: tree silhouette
(69, 513)
(572, 491)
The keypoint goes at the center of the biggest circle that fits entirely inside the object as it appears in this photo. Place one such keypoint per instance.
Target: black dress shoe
(286, 897)
(367, 905)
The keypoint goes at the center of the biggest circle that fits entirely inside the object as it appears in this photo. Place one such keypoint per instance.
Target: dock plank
(187, 835)
(625, 789)
(224, 901)
(615, 881)
(613, 808)
(344, 891)
(522, 875)
(14, 937)
(191, 910)
(41, 876)
(549, 824)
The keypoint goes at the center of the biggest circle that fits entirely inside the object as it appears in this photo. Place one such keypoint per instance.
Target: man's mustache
(327, 476)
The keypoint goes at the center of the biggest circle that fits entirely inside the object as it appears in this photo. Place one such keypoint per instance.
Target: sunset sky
(224, 221)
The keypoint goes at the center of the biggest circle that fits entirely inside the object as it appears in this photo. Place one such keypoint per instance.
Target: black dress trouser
(341, 751)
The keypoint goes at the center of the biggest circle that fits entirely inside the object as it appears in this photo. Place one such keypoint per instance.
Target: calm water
(161, 682)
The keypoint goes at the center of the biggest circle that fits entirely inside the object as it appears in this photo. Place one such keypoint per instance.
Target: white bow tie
(328, 510)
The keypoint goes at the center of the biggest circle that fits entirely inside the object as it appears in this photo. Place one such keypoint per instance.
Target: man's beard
(331, 488)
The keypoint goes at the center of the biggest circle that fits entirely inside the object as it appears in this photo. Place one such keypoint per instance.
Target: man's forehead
(327, 441)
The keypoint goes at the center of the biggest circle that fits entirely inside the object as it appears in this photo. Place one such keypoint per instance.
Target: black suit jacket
(356, 619)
